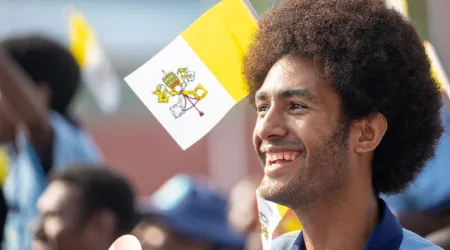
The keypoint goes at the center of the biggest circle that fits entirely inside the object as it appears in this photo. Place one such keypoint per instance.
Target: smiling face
(59, 223)
(299, 136)
(62, 225)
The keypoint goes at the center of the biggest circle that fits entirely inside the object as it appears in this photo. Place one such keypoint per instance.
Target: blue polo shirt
(388, 235)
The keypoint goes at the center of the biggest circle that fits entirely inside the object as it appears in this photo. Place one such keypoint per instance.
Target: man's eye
(262, 108)
(296, 106)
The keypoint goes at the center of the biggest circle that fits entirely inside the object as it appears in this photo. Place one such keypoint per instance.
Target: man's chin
(275, 191)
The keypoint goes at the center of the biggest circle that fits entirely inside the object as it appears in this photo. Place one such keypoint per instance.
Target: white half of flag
(101, 79)
(269, 218)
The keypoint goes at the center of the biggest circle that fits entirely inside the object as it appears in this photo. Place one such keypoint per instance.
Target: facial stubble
(324, 174)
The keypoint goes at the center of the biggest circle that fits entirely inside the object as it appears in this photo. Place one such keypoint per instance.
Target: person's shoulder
(72, 144)
(62, 127)
(285, 241)
(412, 241)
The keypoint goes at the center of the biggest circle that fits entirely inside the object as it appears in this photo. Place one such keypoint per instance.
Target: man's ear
(369, 132)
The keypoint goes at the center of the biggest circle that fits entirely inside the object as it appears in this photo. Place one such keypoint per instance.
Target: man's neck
(344, 221)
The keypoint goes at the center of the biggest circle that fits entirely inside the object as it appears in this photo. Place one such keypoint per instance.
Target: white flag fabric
(270, 216)
(97, 70)
(436, 65)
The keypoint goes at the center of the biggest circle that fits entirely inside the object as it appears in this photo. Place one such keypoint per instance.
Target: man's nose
(272, 124)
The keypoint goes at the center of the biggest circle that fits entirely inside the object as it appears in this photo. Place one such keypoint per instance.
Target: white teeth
(272, 157)
(287, 156)
(280, 156)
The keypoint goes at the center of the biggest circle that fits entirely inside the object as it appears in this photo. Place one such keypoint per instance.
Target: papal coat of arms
(175, 85)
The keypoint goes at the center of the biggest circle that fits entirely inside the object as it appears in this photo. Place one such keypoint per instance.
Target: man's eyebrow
(287, 93)
(260, 95)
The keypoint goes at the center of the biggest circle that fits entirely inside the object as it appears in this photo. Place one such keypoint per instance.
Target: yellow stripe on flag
(282, 210)
(3, 165)
(230, 26)
(80, 36)
(437, 70)
(289, 223)
(405, 7)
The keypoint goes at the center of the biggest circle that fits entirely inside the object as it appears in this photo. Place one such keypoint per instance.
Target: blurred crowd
(58, 192)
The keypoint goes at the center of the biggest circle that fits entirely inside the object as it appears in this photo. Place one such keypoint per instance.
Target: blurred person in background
(185, 214)
(424, 207)
(38, 81)
(84, 208)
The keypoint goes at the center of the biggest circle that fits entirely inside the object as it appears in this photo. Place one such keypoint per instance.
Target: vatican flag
(436, 65)
(400, 5)
(98, 72)
(270, 215)
(193, 82)
(437, 69)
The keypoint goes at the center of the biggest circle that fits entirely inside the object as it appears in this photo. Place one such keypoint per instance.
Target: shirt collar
(388, 235)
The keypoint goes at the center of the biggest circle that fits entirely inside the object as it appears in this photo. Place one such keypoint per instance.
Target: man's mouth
(281, 158)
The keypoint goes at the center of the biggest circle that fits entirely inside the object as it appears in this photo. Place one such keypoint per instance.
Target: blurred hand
(126, 242)
(243, 207)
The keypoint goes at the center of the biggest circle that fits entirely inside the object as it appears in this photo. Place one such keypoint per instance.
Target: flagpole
(227, 151)
(227, 156)
(251, 9)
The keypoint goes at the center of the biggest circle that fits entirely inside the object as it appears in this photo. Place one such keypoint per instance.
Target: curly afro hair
(374, 59)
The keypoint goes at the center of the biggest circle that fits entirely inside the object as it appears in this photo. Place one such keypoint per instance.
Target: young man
(84, 207)
(38, 80)
(347, 110)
